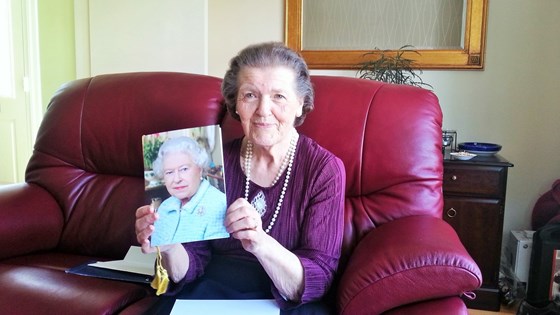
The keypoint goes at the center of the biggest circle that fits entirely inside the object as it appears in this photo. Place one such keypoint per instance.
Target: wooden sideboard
(474, 202)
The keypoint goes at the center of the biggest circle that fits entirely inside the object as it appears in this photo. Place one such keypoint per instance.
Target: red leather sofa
(85, 181)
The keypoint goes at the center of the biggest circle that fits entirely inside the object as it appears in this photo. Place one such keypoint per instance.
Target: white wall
(514, 101)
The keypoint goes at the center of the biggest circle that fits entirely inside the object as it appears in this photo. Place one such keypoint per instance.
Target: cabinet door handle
(451, 213)
(454, 177)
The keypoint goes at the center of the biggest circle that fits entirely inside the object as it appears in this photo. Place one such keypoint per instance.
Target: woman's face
(181, 175)
(268, 104)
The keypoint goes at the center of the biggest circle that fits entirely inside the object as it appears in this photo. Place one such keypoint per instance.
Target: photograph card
(184, 179)
(555, 278)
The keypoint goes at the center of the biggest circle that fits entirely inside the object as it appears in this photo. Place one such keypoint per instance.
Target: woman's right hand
(144, 227)
(174, 257)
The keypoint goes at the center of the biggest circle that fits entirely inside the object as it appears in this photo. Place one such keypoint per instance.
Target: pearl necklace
(285, 162)
(290, 161)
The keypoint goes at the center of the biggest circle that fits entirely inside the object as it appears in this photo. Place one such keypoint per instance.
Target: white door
(15, 118)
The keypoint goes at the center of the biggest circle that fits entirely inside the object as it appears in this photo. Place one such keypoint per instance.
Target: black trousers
(227, 278)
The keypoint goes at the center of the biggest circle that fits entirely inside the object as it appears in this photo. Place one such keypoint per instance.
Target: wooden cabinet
(474, 199)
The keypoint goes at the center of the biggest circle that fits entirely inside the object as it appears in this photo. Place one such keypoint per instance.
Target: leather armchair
(85, 181)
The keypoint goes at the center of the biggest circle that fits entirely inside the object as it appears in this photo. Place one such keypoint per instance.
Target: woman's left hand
(244, 223)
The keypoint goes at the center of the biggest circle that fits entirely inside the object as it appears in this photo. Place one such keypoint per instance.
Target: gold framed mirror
(467, 54)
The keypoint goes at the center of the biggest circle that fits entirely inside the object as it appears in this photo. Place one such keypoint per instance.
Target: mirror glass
(424, 24)
(335, 34)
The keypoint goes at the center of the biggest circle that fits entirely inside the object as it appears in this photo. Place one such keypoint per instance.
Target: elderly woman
(195, 211)
(284, 191)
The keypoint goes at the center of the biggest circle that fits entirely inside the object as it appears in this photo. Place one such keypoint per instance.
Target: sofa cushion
(51, 260)
(32, 290)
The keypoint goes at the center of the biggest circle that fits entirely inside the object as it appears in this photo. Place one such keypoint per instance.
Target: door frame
(27, 78)
(32, 81)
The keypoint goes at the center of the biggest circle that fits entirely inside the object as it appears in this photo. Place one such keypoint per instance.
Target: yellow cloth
(161, 279)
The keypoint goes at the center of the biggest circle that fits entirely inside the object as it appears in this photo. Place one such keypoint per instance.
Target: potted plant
(392, 68)
(150, 148)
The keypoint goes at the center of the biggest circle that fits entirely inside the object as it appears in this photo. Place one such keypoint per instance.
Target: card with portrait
(555, 278)
(184, 179)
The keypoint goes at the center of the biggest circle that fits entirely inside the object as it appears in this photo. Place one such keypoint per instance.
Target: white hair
(184, 145)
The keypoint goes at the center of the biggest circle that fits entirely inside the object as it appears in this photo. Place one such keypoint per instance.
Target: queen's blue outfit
(201, 218)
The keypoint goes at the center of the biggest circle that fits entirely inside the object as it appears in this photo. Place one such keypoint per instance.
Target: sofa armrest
(30, 220)
(404, 261)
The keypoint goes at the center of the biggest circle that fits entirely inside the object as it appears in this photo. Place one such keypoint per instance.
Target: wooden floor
(503, 311)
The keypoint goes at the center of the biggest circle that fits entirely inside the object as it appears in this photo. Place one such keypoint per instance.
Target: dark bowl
(480, 147)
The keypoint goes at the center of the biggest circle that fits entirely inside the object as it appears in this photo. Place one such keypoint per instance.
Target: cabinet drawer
(482, 181)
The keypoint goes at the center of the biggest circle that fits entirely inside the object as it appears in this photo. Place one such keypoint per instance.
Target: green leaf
(391, 68)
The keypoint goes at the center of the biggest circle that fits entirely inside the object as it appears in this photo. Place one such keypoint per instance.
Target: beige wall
(56, 41)
(514, 101)
(232, 25)
(134, 35)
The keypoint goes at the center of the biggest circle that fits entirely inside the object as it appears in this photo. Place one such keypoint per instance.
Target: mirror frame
(470, 57)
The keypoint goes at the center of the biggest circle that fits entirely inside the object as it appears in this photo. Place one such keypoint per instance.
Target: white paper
(134, 261)
(229, 307)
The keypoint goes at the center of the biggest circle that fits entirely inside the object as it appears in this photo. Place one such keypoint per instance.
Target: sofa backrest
(88, 152)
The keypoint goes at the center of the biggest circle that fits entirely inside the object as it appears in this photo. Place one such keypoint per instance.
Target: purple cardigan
(310, 222)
